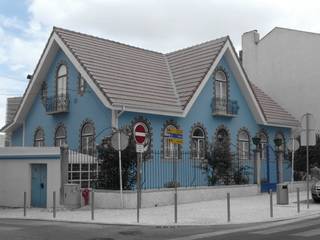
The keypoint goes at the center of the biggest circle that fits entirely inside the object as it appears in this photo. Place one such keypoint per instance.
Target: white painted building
(2, 139)
(286, 64)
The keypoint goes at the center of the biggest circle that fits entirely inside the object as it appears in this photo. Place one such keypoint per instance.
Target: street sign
(139, 131)
(293, 144)
(175, 131)
(175, 136)
(124, 140)
(139, 148)
(308, 129)
(176, 141)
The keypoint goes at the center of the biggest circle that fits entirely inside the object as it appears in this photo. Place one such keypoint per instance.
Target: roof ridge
(196, 45)
(105, 39)
(172, 80)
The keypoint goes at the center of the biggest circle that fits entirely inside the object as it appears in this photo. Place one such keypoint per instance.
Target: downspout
(23, 133)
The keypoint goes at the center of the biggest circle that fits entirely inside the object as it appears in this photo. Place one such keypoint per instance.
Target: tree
(109, 172)
(300, 158)
(220, 161)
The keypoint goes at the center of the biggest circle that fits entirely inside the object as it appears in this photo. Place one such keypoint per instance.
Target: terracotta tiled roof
(272, 111)
(136, 77)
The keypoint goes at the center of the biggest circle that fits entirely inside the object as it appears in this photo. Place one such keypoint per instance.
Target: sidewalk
(243, 210)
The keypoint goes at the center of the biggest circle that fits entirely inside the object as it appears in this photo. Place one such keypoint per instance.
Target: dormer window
(221, 91)
(221, 104)
(59, 103)
(62, 80)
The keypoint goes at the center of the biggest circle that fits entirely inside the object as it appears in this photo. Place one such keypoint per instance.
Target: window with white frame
(221, 91)
(60, 136)
(198, 143)
(169, 149)
(280, 136)
(243, 145)
(62, 81)
(264, 145)
(39, 138)
(87, 138)
(81, 85)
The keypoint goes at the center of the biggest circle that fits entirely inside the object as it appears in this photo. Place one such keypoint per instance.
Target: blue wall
(81, 108)
(90, 107)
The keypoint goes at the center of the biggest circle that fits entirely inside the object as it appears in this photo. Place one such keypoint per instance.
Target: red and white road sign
(140, 132)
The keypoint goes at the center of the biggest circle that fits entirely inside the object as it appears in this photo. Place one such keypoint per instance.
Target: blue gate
(38, 185)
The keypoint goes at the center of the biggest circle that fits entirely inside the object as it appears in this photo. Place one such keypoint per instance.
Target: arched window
(62, 81)
(60, 136)
(198, 147)
(222, 135)
(264, 145)
(38, 138)
(169, 149)
(221, 91)
(280, 136)
(87, 138)
(243, 145)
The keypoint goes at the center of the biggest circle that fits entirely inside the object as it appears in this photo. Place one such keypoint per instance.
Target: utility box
(282, 193)
(72, 197)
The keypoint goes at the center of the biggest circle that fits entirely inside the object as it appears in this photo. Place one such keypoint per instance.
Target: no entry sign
(140, 131)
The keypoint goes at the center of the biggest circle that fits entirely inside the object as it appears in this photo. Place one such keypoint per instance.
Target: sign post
(308, 139)
(293, 146)
(140, 133)
(175, 137)
(119, 142)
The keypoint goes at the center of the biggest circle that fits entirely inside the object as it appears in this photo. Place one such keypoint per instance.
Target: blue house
(83, 86)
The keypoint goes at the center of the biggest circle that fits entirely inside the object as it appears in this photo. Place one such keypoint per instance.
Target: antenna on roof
(29, 76)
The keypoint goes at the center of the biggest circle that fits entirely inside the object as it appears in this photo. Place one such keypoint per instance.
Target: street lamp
(257, 142)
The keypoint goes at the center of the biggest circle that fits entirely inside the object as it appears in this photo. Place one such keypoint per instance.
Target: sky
(160, 25)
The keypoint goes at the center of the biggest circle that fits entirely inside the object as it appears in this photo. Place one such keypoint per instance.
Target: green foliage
(300, 158)
(109, 172)
(220, 161)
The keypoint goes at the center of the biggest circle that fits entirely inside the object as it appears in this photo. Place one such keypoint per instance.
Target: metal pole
(292, 160)
(228, 206)
(138, 186)
(92, 204)
(175, 190)
(120, 169)
(271, 203)
(298, 200)
(25, 204)
(307, 126)
(54, 204)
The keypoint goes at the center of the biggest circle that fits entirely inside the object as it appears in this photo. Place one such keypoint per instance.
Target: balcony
(224, 107)
(57, 104)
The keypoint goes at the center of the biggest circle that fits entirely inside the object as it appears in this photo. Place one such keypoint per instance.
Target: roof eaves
(213, 60)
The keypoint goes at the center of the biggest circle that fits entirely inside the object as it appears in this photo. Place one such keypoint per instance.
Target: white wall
(285, 64)
(163, 197)
(15, 174)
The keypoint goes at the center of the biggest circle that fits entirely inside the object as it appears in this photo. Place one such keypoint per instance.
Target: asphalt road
(36, 230)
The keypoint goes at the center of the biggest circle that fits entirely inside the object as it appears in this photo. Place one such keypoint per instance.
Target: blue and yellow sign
(175, 136)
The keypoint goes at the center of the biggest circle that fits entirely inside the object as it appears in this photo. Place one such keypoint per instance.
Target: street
(11, 229)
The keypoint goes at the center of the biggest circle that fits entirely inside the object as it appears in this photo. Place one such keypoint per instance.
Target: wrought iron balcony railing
(224, 107)
(57, 104)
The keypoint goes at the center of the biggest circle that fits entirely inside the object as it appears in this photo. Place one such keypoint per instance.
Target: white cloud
(161, 25)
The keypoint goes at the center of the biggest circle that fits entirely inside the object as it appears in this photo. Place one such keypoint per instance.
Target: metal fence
(158, 172)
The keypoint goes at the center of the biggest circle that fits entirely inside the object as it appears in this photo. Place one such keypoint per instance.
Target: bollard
(92, 205)
(54, 204)
(228, 206)
(271, 204)
(25, 204)
(298, 200)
